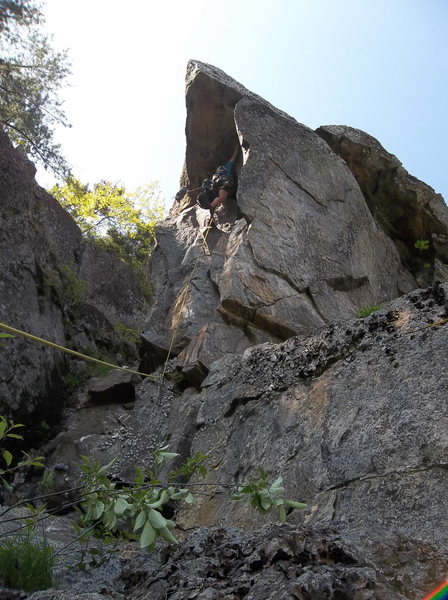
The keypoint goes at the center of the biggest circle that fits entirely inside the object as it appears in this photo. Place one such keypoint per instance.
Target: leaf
(164, 497)
(148, 535)
(236, 497)
(140, 520)
(189, 498)
(167, 535)
(277, 483)
(282, 514)
(6, 335)
(98, 509)
(178, 495)
(15, 436)
(7, 457)
(103, 470)
(139, 476)
(110, 521)
(121, 505)
(3, 426)
(156, 519)
(7, 486)
(295, 504)
(265, 504)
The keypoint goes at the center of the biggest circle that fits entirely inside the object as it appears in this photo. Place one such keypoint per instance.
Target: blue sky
(381, 66)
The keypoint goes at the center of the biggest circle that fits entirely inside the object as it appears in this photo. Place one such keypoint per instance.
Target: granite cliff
(270, 363)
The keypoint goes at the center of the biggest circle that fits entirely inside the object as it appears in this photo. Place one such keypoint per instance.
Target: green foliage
(368, 310)
(109, 510)
(8, 430)
(192, 466)
(124, 221)
(26, 562)
(265, 497)
(422, 245)
(132, 511)
(31, 77)
(120, 221)
(67, 287)
(126, 333)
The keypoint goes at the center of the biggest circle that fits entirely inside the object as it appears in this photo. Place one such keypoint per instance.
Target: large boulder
(300, 248)
(54, 285)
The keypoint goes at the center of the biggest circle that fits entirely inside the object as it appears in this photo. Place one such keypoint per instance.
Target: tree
(31, 77)
(123, 222)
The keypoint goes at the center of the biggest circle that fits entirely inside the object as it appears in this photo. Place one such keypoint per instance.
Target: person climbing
(217, 189)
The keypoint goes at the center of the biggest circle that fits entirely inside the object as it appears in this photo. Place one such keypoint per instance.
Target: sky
(378, 65)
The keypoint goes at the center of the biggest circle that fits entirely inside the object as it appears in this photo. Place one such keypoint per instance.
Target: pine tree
(31, 77)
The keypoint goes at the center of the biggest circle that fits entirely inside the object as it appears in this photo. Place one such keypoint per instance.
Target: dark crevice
(383, 475)
(238, 402)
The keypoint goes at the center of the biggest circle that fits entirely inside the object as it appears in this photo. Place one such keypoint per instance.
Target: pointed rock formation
(300, 248)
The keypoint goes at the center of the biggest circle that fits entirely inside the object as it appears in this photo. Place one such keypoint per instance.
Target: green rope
(35, 338)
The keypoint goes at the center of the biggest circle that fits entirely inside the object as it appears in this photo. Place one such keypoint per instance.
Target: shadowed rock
(56, 285)
(407, 209)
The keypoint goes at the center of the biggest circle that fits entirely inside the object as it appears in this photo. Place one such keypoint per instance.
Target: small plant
(26, 562)
(368, 310)
(7, 430)
(422, 245)
(265, 497)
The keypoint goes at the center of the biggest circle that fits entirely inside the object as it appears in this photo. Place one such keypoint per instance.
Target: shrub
(26, 562)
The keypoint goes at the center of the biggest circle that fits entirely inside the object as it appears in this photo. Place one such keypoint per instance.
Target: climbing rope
(35, 338)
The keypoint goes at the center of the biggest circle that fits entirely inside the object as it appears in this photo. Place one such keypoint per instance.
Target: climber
(217, 189)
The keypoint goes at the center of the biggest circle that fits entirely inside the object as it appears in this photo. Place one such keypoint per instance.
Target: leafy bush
(108, 511)
(119, 221)
(112, 512)
(26, 562)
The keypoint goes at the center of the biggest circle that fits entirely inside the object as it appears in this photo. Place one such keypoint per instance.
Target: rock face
(300, 247)
(353, 417)
(56, 286)
(269, 364)
(406, 209)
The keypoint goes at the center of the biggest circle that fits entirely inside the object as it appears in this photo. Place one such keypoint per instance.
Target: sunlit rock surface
(301, 250)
